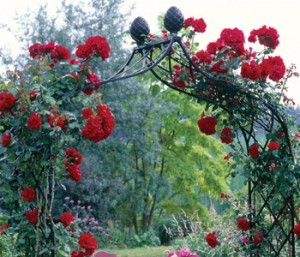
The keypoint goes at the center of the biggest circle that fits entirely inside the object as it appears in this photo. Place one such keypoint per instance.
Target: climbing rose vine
(43, 115)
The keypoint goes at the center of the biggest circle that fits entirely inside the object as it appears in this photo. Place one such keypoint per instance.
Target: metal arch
(146, 58)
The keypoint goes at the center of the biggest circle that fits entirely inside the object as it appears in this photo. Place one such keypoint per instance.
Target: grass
(159, 251)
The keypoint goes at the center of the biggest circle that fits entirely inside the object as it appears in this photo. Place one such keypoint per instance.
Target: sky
(284, 15)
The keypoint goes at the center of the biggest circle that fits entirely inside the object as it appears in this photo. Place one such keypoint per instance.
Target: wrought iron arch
(257, 112)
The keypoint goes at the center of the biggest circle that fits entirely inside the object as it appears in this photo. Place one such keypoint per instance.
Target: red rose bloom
(212, 48)
(243, 224)
(7, 101)
(2, 228)
(251, 71)
(74, 172)
(66, 219)
(188, 22)
(57, 120)
(211, 239)
(32, 216)
(202, 57)
(34, 121)
(266, 36)
(83, 51)
(218, 67)
(28, 194)
(226, 136)
(258, 238)
(199, 25)
(177, 80)
(60, 53)
(273, 146)
(86, 113)
(273, 67)
(88, 242)
(73, 157)
(99, 46)
(207, 125)
(297, 230)
(6, 138)
(253, 151)
(32, 95)
(78, 254)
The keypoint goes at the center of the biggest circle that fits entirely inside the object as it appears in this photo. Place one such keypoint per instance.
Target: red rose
(243, 224)
(226, 136)
(32, 95)
(297, 230)
(83, 51)
(7, 101)
(28, 194)
(78, 254)
(211, 239)
(188, 22)
(34, 121)
(266, 36)
(207, 125)
(258, 238)
(253, 151)
(57, 120)
(99, 46)
(74, 172)
(66, 219)
(88, 242)
(3, 227)
(199, 25)
(73, 157)
(6, 138)
(86, 113)
(32, 216)
(251, 71)
(60, 53)
(218, 67)
(273, 146)
(10, 100)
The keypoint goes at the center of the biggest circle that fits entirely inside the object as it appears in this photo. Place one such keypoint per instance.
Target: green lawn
(160, 251)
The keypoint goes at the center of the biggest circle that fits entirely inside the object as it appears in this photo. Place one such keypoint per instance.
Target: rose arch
(244, 91)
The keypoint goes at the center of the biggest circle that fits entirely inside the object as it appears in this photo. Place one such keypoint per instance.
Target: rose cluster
(99, 126)
(57, 52)
(94, 45)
